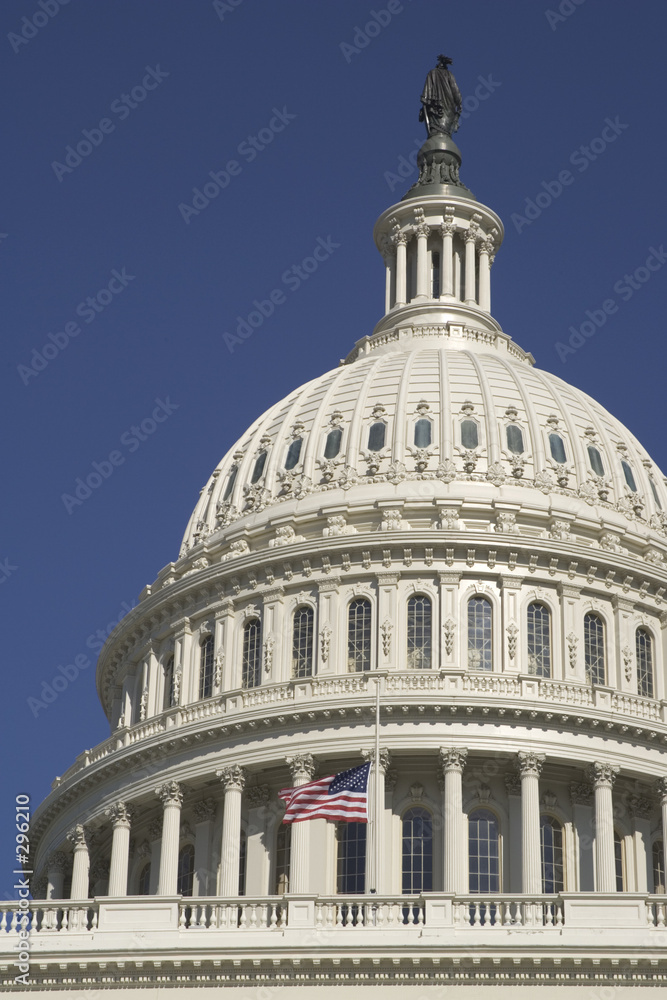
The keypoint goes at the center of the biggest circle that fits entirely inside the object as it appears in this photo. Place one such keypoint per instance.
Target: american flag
(341, 796)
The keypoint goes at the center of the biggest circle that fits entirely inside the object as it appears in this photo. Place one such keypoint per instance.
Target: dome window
(483, 852)
(206, 668)
(420, 615)
(594, 654)
(629, 477)
(551, 844)
(332, 446)
(186, 870)
(417, 841)
(230, 483)
(423, 433)
(351, 864)
(251, 663)
(539, 640)
(469, 434)
(557, 447)
(259, 467)
(293, 453)
(514, 439)
(644, 651)
(654, 491)
(595, 458)
(480, 616)
(376, 436)
(302, 642)
(359, 635)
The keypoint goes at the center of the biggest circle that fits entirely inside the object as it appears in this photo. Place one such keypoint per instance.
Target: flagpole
(376, 823)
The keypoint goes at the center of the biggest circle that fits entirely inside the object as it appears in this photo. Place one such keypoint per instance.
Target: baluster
(93, 920)
(548, 914)
(15, 920)
(243, 921)
(65, 920)
(3, 921)
(273, 920)
(380, 914)
(339, 917)
(181, 916)
(213, 915)
(477, 921)
(559, 915)
(420, 912)
(661, 914)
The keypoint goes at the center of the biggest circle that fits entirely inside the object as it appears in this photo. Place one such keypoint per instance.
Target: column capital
(602, 775)
(204, 810)
(57, 862)
(661, 789)
(400, 239)
(470, 235)
(447, 227)
(529, 763)
(422, 229)
(385, 758)
(79, 837)
(301, 766)
(453, 758)
(120, 814)
(232, 777)
(170, 794)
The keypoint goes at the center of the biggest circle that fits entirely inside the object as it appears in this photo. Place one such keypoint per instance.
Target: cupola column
(78, 836)
(390, 278)
(233, 780)
(470, 238)
(452, 761)
(422, 232)
(603, 776)
(401, 240)
(529, 766)
(55, 873)
(375, 866)
(661, 788)
(171, 796)
(447, 258)
(485, 251)
(302, 768)
(121, 818)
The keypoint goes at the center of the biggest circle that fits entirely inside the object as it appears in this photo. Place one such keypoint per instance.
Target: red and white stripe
(312, 801)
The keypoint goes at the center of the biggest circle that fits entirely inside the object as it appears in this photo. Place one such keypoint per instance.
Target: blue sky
(305, 117)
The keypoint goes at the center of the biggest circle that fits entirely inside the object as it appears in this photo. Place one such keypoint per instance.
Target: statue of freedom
(441, 100)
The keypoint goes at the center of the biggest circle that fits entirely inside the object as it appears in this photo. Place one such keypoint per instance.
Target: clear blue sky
(208, 80)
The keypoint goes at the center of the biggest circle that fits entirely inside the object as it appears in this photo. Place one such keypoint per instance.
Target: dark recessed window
(629, 477)
(359, 635)
(302, 642)
(332, 447)
(644, 650)
(595, 458)
(594, 651)
(654, 491)
(515, 439)
(422, 433)
(259, 467)
(469, 434)
(376, 436)
(230, 483)
(251, 660)
(293, 453)
(539, 640)
(557, 447)
(206, 668)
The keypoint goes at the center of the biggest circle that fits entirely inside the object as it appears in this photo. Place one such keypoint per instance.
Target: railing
(490, 911)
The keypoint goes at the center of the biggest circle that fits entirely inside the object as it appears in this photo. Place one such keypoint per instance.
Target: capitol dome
(437, 559)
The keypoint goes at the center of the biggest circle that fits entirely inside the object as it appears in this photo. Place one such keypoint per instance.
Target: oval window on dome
(629, 476)
(469, 434)
(230, 484)
(332, 446)
(595, 458)
(654, 491)
(557, 447)
(515, 439)
(422, 433)
(260, 462)
(293, 453)
(376, 436)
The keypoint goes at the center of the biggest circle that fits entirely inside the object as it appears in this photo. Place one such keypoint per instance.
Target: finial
(441, 100)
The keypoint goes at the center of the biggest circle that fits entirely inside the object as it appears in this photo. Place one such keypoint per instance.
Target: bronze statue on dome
(441, 100)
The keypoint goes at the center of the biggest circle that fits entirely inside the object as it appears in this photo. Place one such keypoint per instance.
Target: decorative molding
(512, 636)
(325, 641)
(601, 774)
(572, 641)
(269, 646)
(301, 766)
(453, 758)
(386, 629)
(449, 631)
(529, 763)
(170, 794)
(120, 814)
(232, 777)
(79, 837)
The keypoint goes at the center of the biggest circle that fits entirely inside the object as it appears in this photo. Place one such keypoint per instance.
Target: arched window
(483, 852)
(302, 642)
(423, 433)
(260, 462)
(595, 458)
(654, 491)
(169, 693)
(644, 647)
(514, 439)
(417, 851)
(332, 446)
(293, 453)
(243, 862)
(376, 436)
(206, 668)
(351, 858)
(251, 666)
(143, 887)
(594, 653)
(283, 851)
(480, 616)
(551, 843)
(557, 447)
(619, 861)
(629, 476)
(231, 480)
(658, 867)
(539, 640)
(359, 635)
(186, 870)
(469, 434)
(419, 632)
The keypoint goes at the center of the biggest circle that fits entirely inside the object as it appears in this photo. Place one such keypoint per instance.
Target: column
(603, 776)
(529, 765)
(171, 796)
(376, 874)
(640, 809)
(485, 251)
(204, 814)
(233, 780)
(302, 768)
(452, 761)
(155, 841)
(513, 786)
(401, 240)
(55, 873)
(661, 788)
(581, 796)
(470, 237)
(78, 836)
(260, 844)
(447, 258)
(422, 232)
(121, 818)
(390, 265)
